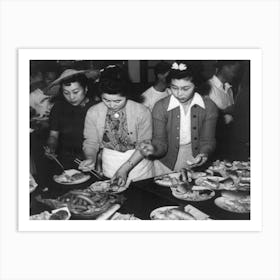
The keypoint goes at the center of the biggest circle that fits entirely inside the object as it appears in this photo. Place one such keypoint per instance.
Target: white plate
(193, 195)
(167, 182)
(71, 172)
(161, 210)
(104, 186)
(229, 205)
(202, 181)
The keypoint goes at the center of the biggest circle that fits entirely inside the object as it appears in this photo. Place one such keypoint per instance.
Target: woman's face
(114, 102)
(74, 93)
(182, 89)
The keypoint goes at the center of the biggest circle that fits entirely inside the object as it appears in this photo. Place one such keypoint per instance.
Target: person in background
(67, 117)
(183, 123)
(158, 90)
(221, 93)
(116, 126)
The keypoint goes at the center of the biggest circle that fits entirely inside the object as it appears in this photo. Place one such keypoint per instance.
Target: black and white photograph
(140, 140)
(148, 133)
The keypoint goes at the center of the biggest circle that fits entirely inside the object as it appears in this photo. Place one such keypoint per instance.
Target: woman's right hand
(87, 165)
(50, 152)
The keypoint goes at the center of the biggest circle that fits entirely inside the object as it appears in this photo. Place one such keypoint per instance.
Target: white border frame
(254, 55)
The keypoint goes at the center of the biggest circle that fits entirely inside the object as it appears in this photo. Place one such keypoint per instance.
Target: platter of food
(71, 177)
(166, 179)
(85, 204)
(107, 186)
(216, 183)
(170, 213)
(119, 216)
(188, 212)
(57, 214)
(197, 193)
(234, 202)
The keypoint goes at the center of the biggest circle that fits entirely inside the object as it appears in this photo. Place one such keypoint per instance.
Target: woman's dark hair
(79, 78)
(114, 80)
(191, 70)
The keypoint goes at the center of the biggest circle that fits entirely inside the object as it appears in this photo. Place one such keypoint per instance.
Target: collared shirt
(220, 94)
(185, 118)
(152, 96)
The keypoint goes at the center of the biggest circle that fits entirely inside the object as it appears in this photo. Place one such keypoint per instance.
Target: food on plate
(71, 176)
(119, 216)
(84, 203)
(57, 214)
(109, 212)
(42, 216)
(196, 194)
(231, 176)
(227, 184)
(166, 179)
(181, 187)
(233, 194)
(208, 182)
(240, 205)
(106, 186)
(196, 175)
(170, 213)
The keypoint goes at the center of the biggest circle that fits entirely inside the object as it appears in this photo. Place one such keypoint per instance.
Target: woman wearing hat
(116, 126)
(67, 117)
(183, 123)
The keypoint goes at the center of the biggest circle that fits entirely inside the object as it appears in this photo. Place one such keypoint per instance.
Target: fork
(55, 159)
(92, 171)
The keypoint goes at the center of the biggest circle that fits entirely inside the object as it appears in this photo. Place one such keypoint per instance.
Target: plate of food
(119, 216)
(57, 214)
(71, 177)
(197, 175)
(166, 179)
(217, 183)
(107, 186)
(234, 202)
(196, 193)
(170, 213)
(85, 204)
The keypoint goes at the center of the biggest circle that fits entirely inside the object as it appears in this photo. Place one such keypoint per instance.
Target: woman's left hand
(199, 160)
(120, 177)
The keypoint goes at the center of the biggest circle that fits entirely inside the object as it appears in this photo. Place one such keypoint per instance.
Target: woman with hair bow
(183, 123)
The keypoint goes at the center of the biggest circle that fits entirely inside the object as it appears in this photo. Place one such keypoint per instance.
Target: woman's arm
(160, 135)
(121, 174)
(52, 142)
(208, 129)
(91, 143)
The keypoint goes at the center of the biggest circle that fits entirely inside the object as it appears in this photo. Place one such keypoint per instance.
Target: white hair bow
(180, 66)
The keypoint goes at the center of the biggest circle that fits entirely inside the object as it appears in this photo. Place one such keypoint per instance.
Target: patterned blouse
(116, 136)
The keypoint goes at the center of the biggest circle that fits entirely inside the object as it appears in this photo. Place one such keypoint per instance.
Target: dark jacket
(166, 130)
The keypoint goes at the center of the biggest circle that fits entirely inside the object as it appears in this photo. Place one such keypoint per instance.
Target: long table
(140, 199)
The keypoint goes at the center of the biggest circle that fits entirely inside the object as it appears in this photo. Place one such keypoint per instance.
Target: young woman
(117, 126)
(67, 117)
(183, 123)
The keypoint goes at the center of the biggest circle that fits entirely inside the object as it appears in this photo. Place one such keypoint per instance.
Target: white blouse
(221, 96)
(185, 118)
